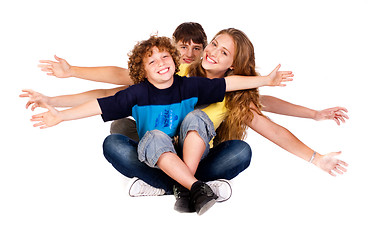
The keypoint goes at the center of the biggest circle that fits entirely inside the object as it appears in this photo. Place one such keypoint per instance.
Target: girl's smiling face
(218, 56)
(159, 68)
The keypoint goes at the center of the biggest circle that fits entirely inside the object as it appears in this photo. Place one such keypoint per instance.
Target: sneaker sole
(206, 207)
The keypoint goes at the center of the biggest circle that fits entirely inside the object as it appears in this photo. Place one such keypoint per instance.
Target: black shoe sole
(206, 207)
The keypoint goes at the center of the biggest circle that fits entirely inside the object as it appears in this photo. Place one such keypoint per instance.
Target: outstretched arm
(54, 117)
(109, 74)
(39, 100)
(286, 140)
(275, 78)
(276, 105)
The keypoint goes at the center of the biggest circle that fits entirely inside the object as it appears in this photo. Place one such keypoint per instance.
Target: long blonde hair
(239, 103)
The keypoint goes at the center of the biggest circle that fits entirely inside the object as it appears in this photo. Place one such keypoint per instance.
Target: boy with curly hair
(159, 102)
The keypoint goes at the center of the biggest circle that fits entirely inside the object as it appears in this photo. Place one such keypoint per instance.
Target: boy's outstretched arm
(109, 74)
(54, 117)
(275, 78)
(37, 99)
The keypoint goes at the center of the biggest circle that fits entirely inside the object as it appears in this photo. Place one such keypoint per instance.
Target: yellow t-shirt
(217, 112)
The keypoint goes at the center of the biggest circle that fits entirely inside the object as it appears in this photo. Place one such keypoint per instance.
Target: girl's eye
(223, 52)
(151, 62)
(214, 44)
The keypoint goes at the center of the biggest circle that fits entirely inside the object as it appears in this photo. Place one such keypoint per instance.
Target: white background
(56, 184)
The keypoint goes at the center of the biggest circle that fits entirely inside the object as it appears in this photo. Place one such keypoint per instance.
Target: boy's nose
(189, 52)
(160, 62)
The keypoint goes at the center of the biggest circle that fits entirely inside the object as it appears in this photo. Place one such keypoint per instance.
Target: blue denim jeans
(133, 159)
(224, 161)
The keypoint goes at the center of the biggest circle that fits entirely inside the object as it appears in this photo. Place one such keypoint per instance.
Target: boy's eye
(151, 62)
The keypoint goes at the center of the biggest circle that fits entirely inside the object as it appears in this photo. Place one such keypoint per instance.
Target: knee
(244, 153)
(197, 121)
(194, 118)
(238, 153)
(153, 144)
(111, 141)
(116, 145)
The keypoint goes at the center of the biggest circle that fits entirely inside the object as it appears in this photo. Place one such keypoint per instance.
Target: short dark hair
(190, 31)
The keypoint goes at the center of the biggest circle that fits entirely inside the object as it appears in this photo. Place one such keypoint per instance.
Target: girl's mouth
(210, 60)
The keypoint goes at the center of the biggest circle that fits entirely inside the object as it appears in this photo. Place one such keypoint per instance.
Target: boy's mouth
(187, 60)
(163, 71)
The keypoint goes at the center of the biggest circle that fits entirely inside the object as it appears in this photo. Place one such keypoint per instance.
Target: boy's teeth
(163, 71)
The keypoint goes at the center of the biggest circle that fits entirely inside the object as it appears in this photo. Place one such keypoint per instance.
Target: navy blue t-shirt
(162, 109)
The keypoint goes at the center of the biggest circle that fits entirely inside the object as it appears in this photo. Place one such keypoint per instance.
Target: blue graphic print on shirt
(166, 119)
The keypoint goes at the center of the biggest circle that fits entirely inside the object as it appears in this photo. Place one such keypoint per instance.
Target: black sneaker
(202, 197)
(183, 203)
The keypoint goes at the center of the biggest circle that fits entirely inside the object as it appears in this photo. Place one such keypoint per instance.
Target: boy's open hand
(278, 78)
(36, 99)
(60, 69)
(47, 119)
(338, 114)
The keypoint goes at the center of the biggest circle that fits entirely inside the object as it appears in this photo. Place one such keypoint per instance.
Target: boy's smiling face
(160, 68)
(189, 52)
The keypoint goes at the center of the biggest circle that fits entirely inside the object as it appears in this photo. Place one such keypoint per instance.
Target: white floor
(56, 184)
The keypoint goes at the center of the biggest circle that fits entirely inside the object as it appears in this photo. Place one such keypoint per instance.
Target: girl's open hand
(47, 119)
(330, 164)
(279, 78)
(60, 69)
(36, 99)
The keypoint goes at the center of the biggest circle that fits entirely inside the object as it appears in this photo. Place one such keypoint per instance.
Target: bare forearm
(234, 83)
(88, 109)
(281, 137)
(80, 98)
(108, 74)
(276, 105)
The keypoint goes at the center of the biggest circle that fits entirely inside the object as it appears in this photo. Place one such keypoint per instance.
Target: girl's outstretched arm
(286, 140)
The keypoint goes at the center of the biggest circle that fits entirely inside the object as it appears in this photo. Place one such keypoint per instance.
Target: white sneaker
(139, 188)
(221, 188)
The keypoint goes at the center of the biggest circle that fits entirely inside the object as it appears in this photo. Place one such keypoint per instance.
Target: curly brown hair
(143, 49)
